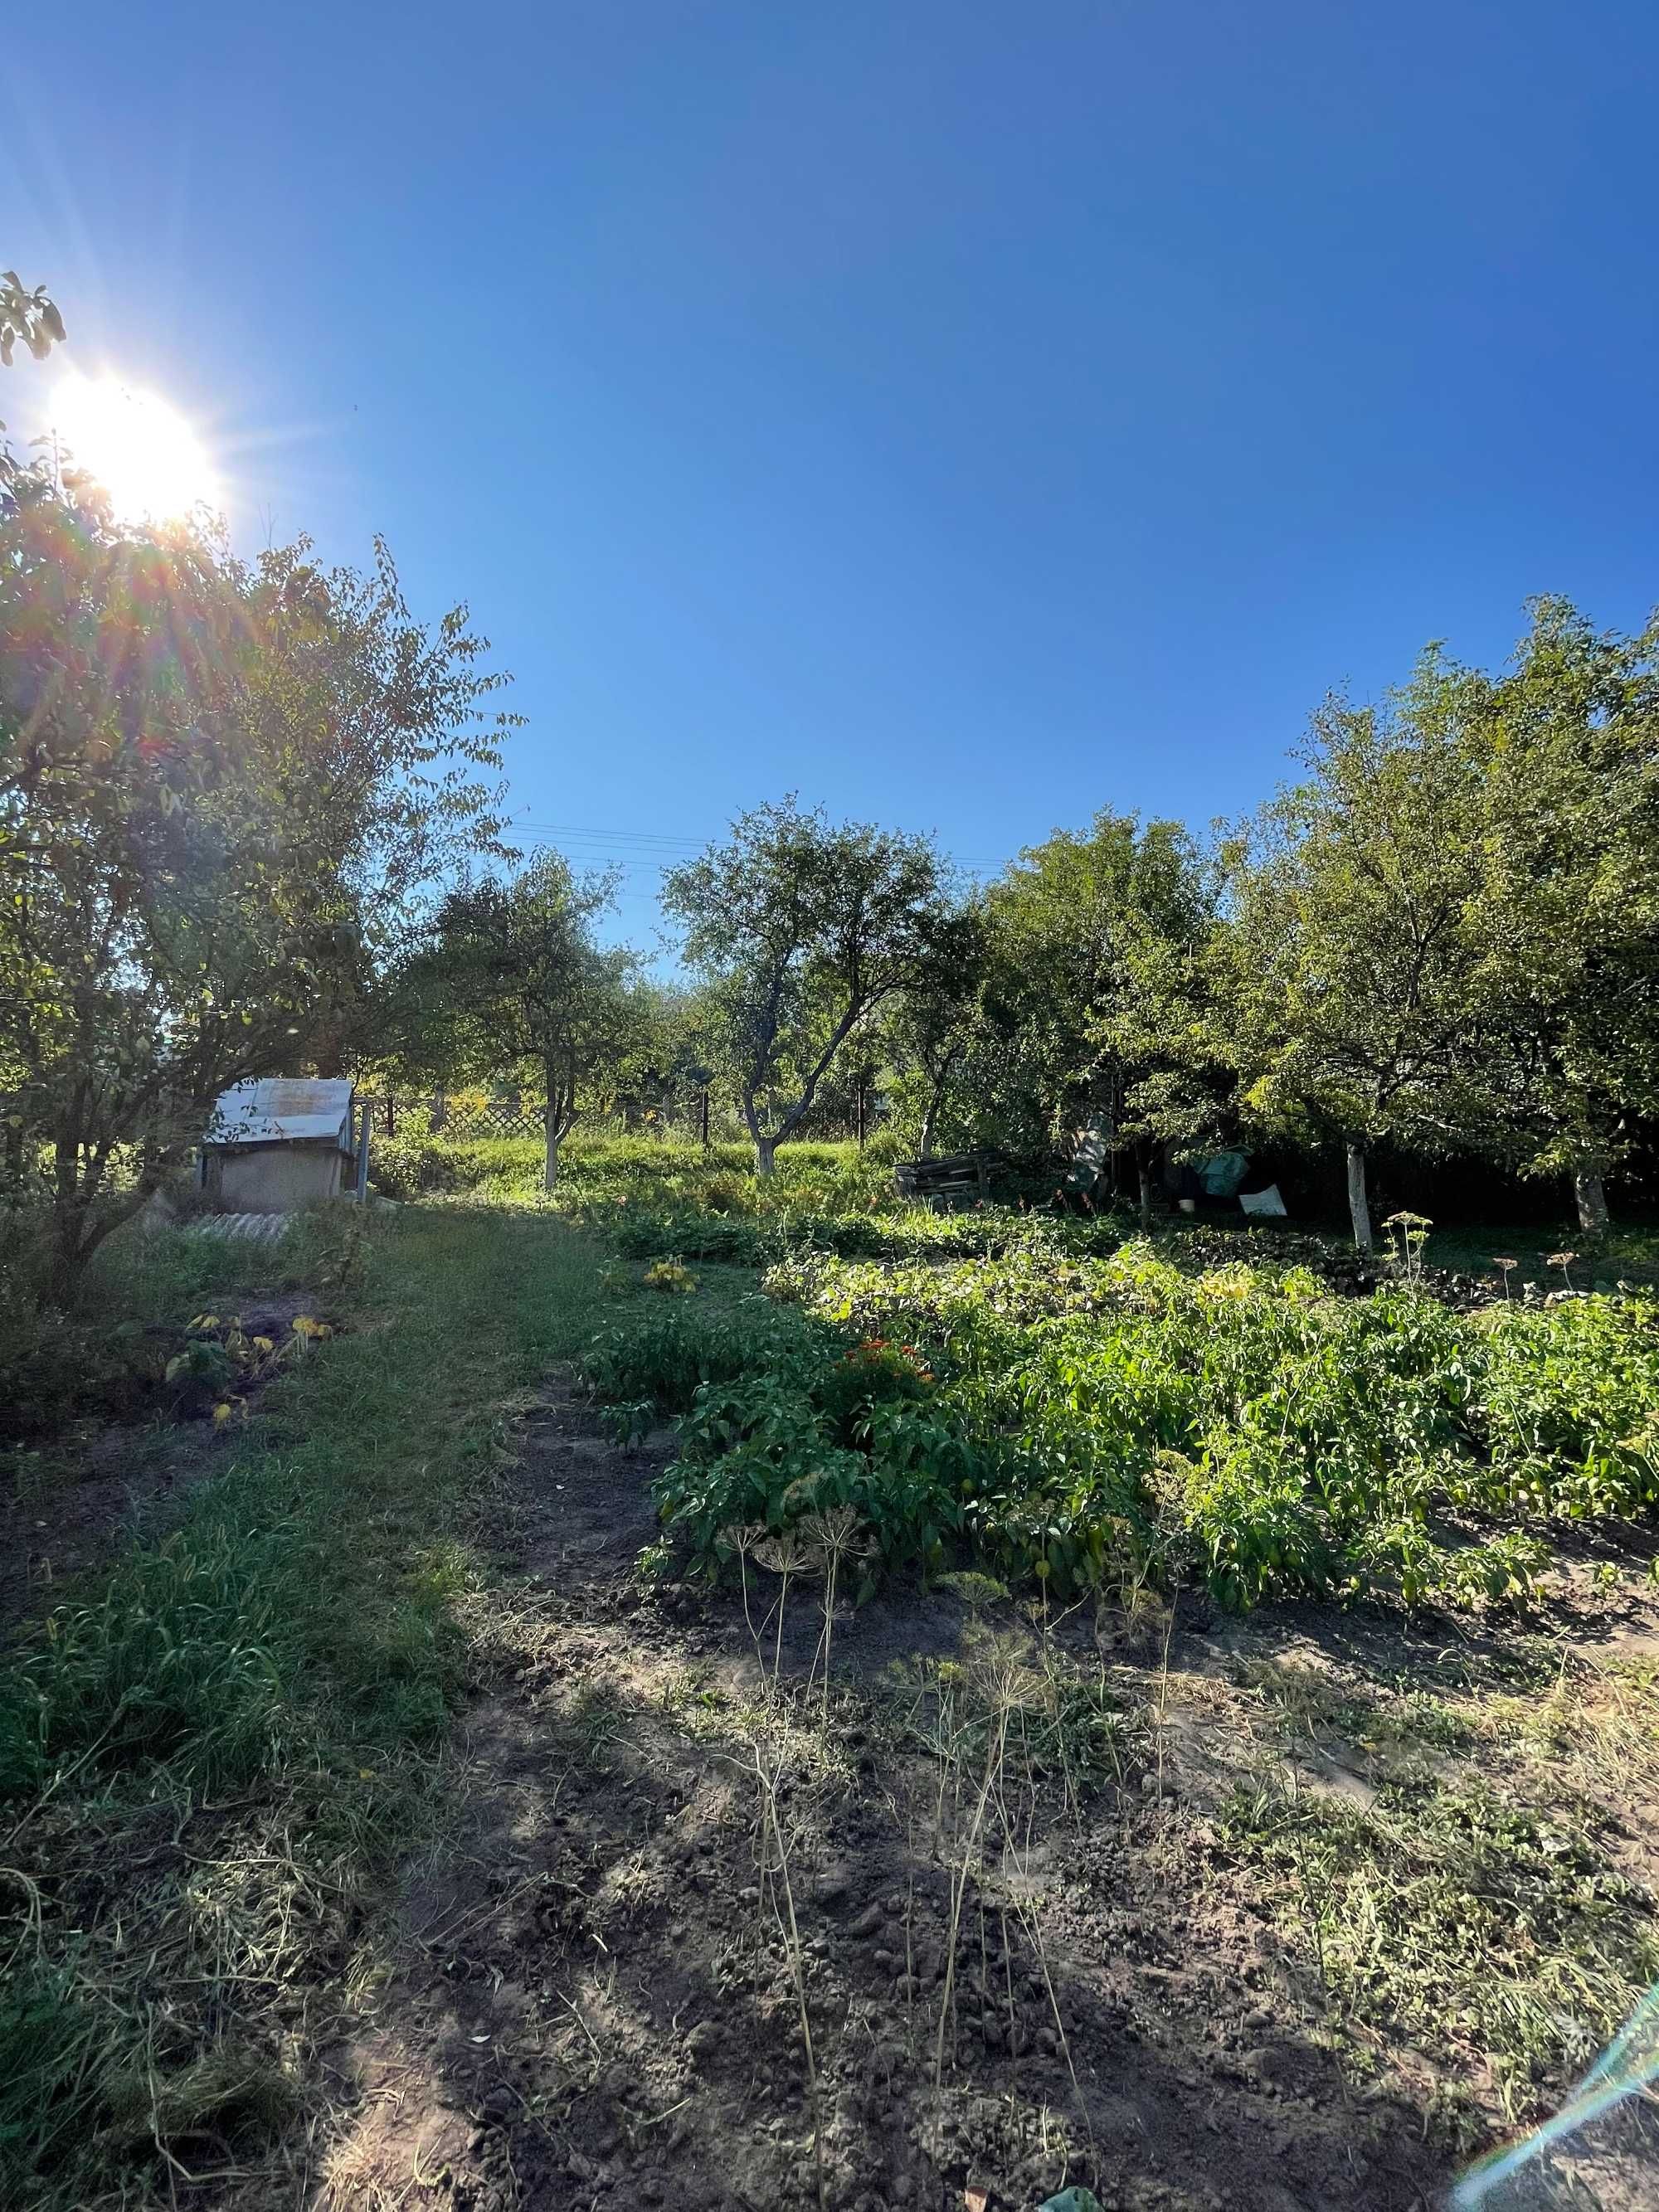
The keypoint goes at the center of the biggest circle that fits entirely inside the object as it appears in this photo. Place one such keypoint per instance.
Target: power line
(638, 845)
(617, 836)
(627, 867)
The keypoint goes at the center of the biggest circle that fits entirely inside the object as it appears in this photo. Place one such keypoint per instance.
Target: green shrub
(1566, 1409)
(777, 1235)
(760, 1453)
(639, 1236)
(871, 1373)
(416, 1166)
(783, 1418)
(55, 1370)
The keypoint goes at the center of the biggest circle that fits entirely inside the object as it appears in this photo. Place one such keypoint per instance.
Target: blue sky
(968, 415)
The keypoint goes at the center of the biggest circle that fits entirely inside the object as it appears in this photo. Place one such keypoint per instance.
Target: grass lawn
(251, 1706)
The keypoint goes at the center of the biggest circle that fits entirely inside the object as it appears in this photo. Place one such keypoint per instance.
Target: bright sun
(142, 450)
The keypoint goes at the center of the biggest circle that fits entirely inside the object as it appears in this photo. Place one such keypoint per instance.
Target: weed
(51, 2044)
(1002, 1724)
(1469, 1921)
(665, 1355)
(833, 1538)
(772, 1857)
(1412, 1230)
(596, 1718)
(180, 1659)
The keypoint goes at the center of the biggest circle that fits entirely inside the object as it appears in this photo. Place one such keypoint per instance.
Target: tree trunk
(76, 1233)
(439, 1116)
(766, 1151)
(1358, 1203)
(1592, 1198)
(1144, 1175)
(63, 1276)
(930, 1121)
(550, 1124)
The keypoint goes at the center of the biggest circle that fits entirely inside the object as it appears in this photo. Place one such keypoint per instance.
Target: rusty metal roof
(282, 1110)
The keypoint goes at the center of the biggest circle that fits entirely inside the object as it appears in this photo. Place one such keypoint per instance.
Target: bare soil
(594, 1998)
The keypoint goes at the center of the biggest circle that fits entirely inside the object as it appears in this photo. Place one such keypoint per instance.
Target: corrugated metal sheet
(282, 1110)
(257, 1228)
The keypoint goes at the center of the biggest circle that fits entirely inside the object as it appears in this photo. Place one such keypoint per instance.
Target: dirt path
(594, 2002)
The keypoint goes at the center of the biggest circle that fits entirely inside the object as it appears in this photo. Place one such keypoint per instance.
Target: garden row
(1095, 1423)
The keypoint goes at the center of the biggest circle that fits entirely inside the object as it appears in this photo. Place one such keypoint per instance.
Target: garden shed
(278, 1144)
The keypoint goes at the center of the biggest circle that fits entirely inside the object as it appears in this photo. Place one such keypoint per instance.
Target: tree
(1357, 1003)
(1094, 945)
(26, 315)
(1567, 908)
(382, 734)
(512, 978)
(930, 1028)
(1159, 1028)
(801, 930)
(218, 785)
(664, 1070)
(32, 317)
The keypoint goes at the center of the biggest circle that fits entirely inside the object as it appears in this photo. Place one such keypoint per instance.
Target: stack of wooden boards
(956, 1179)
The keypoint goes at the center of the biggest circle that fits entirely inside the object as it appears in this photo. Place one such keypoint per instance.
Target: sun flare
(143, 452)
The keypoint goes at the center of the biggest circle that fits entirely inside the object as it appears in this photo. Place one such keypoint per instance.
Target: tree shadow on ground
(597, 1996)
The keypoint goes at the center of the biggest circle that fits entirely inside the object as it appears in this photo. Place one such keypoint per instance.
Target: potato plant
(1085, 1422)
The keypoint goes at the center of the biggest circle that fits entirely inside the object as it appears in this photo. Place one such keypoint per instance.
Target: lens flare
(142, 451)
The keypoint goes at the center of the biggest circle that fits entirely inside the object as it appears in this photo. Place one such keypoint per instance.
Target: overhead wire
(637, 850)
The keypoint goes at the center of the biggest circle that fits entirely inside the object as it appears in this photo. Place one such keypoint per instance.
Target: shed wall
(274, 1178)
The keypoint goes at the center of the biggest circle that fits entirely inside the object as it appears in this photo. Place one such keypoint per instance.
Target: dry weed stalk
(1001, 1704)
(743, 1537)
(1163, 1706)
(820, 1541)
(774, 1863)
(786, 1556)
(833, 1536)
(997, 1688)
